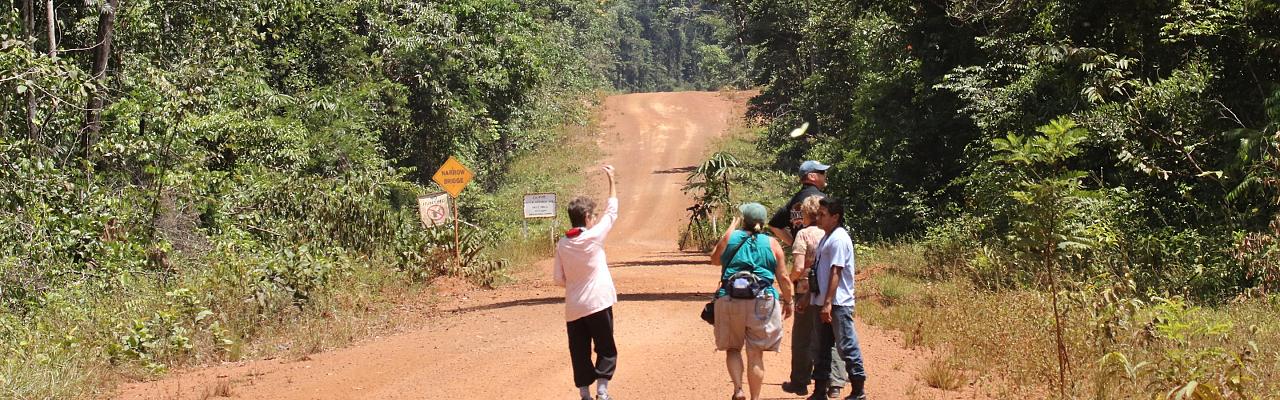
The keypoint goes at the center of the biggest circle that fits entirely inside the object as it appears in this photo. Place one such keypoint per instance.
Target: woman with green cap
(748, 309)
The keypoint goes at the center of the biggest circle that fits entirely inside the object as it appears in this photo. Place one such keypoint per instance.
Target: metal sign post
(457, 241)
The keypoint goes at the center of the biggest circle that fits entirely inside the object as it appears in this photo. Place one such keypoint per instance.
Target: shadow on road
(677, 170)
(659, 263)
(680, 296)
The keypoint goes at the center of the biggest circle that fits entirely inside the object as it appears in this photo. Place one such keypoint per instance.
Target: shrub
(943, 374)
(894, 289)
(948, 247)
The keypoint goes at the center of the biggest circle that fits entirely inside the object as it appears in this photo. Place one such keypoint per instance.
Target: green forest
(179, 180)
(1097, 171)
(944, 120)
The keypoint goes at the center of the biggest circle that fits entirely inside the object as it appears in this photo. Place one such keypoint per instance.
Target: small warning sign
(434, 209)
(452, 176)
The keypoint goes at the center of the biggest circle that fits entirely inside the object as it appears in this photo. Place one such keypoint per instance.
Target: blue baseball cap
(812, 166)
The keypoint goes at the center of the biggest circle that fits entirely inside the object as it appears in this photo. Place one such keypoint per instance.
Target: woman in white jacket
(589, 295)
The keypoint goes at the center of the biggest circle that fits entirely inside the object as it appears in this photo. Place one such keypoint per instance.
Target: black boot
(858, 386)
(796, 388)
(819, 390)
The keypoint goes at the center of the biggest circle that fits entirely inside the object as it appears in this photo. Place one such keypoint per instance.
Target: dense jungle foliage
(177, 178)
(666, 45)
(1069, 180)
(1170, 179)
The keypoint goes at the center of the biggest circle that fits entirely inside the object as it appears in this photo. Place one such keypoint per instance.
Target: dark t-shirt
(782, 218)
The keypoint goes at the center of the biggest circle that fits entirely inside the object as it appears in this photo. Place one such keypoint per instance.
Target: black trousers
(598, 328)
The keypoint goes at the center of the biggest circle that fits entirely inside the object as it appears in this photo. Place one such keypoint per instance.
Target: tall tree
(51, 15)
(29, 33)
(101, 57)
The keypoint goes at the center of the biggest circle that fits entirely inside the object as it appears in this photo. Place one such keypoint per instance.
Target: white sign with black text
(540, 205)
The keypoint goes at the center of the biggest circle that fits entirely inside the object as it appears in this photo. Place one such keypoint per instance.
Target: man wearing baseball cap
(813, 178)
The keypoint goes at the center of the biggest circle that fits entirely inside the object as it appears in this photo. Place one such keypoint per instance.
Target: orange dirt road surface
(510, 343)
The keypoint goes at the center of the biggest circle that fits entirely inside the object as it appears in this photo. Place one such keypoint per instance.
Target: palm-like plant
(713, 181)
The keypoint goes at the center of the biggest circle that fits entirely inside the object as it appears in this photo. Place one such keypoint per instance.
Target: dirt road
(510, 343)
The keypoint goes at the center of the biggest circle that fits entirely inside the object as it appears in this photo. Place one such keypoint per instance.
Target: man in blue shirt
(834, 294)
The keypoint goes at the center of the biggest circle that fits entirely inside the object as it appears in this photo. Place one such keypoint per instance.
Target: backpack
(740, 285)
(744, 284)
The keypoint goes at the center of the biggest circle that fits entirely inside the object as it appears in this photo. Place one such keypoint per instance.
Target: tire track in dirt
(510, 342)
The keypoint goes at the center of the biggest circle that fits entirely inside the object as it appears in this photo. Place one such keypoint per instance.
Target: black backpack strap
(725, 266)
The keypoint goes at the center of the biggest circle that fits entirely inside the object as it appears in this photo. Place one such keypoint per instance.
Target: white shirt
(580, 267)
(835, 249)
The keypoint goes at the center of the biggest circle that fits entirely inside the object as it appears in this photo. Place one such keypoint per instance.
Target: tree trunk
(93, 114)
(29, 32)
(727, 195)
(29, 20)
(52, 16)
(1051, 266)
(1060, 347)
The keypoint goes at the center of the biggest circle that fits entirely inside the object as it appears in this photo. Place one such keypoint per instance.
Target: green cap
(753, 214)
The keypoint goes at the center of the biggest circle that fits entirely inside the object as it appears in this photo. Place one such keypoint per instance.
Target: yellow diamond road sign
(452, 176)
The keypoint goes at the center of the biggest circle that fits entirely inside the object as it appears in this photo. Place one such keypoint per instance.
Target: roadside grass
(84, 347)
(943, 374)
(999, 336)
(561, 167)
(1119, 348)
(895, 289)
(220, 389)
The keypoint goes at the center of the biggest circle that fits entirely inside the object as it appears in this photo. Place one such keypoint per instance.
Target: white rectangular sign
(540, 205)
(434, 209)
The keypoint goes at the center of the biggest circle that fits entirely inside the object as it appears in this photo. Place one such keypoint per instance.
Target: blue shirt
(836, 249)
(755, 255)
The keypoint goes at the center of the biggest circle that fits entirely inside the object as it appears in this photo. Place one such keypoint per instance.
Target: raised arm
(613, 190)
(605, 223)
(724, 241)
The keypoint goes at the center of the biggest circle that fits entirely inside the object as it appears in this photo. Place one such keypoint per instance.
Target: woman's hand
(786, 309)
(613, 187)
